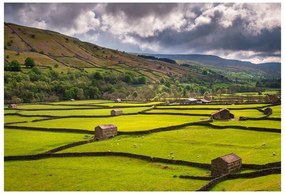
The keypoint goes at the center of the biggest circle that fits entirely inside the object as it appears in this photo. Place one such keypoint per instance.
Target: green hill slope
(51, 49)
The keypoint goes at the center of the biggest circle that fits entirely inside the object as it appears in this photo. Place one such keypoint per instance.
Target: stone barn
(222, 114)
(227, 164)
(116, 112)
(203, 101)
(12, 106)
(105, 131)
(267, 111)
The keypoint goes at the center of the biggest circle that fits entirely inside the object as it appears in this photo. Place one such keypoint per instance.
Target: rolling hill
(269, 70)
(57, 51)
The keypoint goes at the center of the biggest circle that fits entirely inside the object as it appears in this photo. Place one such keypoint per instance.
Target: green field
(209, 112)
(124, 122)
(100, 174)
(250, 123)
(21, 142)
(48, 106)
(82, 102)
(15, 118)
(89, 112)
(266, 183)
(193, 143)
(209, 106)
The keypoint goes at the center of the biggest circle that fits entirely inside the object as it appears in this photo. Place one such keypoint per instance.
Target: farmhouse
(227, 164)
(116, 112)
(12, 106)
(105, 131)
(222, 114)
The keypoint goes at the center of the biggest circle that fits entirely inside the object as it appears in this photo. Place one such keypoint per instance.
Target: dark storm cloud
(253, 29)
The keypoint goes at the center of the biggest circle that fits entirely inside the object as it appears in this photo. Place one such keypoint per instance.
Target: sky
(243, 31)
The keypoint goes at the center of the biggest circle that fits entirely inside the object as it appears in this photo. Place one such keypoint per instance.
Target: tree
(97, 76)
(13, 66)
(135, 94)
(29, 62)
(142, 80)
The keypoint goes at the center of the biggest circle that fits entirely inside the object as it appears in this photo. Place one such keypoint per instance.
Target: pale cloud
(83, 23)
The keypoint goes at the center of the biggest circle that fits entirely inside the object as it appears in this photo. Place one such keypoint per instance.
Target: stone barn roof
(229, 158)
(221, 110)
(107, 126)
(116, 110)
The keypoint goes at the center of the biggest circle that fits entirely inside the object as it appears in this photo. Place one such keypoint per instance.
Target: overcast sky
(232, 30)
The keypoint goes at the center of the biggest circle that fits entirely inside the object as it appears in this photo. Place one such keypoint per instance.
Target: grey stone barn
(105, 131)
(116, 112)
(222, 114)
(12, 106)
(267, 111)
(118, 100)
(227, 164)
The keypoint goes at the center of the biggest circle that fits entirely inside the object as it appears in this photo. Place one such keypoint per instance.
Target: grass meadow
(193, 143)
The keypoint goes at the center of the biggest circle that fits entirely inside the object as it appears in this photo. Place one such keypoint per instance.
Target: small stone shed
(118, 100)
(116, 112)
(105, 131)
(12, 106)
(227, 164)
(203, 101)
(222, 114)
(267, 111)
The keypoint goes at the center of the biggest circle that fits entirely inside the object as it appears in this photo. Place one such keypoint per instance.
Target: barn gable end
(227, 164)
(105, 131)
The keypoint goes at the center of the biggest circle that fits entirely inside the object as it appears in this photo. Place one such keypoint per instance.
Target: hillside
(51, 49)
(67, 68)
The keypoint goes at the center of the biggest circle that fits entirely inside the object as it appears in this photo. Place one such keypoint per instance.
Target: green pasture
(88, 112)
(16, 118)
(82, 102)
(123, 122)
(265, 183)
(23, 142)
(251, 113)
(124, 104)
(209, 106)
(98, 174)
(48, 106)
(195, 143)
(276, 111)
(209, 112)
(250, 123)
(7, 111)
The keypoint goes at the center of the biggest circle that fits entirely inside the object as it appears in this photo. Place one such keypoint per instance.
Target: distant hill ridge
(273, 68)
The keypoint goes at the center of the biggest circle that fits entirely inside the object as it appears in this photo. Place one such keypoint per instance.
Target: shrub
(29, 62)
(13, 66)
(33, 50)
